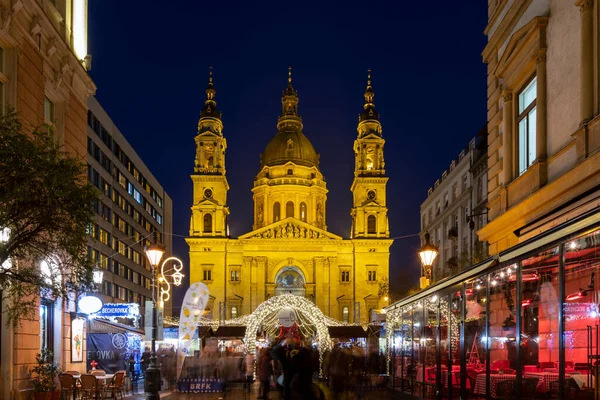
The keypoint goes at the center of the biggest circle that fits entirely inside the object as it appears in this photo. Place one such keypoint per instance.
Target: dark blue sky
(150, 64)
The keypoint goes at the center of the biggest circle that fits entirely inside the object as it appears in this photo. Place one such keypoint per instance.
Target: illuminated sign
(89, 304)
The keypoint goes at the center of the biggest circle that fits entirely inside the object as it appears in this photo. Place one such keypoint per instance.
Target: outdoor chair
(98, 372)
(68, 387)
(117, 385)
(89, 386)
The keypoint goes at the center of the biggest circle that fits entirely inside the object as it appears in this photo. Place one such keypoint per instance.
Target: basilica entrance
(290, 280)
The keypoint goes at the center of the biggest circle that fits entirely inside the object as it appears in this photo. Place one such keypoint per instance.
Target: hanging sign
(287, 317)
(119, 310)
(148, 322)
(192, 308)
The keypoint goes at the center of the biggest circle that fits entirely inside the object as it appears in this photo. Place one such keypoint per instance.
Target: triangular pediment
(290, 228)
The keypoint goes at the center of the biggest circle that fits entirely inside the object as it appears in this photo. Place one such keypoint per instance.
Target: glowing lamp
(154, 254)
(428, 253)
(98, 275)
(177, 278)
(526, 303)
(89, 304)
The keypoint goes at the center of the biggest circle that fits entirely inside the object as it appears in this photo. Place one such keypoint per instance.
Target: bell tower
(369, 210)
(209, 208)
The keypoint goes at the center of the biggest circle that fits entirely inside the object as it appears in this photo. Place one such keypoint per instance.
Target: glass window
(207, 275)
(345, 276)
(303, 211)
(46, 326)
(289, 209)
(372, 276)
(234, 312)
(48, 110)
(345, 314)
(526, 120)
(208, 223)
(371, 224)
(503, 314)
(235, 276)
(276, 212)
(455, 192)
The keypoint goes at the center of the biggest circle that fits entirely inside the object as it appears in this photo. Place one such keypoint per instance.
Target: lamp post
(159, 294)
(152, 376)
(427, 253)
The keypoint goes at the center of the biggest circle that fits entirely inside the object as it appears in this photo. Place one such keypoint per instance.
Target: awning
(205, 331)
(347, 332)
(231, 331)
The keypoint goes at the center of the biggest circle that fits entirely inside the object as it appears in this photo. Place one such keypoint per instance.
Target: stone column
(541, 114)
(586, 79)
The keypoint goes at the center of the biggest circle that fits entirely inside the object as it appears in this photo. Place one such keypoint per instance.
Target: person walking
(263, 372)
(145, 360)
(249, 370)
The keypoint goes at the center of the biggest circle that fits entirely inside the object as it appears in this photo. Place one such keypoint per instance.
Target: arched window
(371, 224)
(234, 312)
(207, 222)
(345, 314)
(289, 209)
(276, 212)
(303, 211)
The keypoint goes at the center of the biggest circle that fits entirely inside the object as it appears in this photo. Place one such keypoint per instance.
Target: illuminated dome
(290, 144)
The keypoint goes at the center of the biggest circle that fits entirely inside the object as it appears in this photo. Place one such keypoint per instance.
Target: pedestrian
(263, 372)
(145, 360)
(249, 370)
(132, 367)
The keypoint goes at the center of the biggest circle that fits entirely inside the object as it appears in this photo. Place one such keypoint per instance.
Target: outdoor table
(547, 377)
(98, 378)
(494, 379)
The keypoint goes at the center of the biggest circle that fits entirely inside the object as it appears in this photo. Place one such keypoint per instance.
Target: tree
(45, 211)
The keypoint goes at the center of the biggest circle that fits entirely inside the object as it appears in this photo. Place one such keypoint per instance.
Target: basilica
(289, 249)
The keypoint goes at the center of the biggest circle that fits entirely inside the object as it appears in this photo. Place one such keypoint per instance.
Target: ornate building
(289, 249)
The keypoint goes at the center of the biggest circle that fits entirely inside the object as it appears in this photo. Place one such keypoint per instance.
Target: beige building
(43, 75)
(290, 249)
(455, 208)
(543, 125)
(132, 205)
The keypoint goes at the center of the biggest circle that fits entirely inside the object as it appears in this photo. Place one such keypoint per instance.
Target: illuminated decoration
(526, 303)
(165, 294)
(427, 253)
(80, 28)
(89, 304)
(287, 317)
(4, 237)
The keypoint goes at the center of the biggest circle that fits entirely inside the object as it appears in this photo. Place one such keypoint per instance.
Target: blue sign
(119, 310)
(171, 333)
(200, 385)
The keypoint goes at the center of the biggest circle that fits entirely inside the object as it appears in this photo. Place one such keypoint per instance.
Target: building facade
(455, 208)
(43, 76)
(132, 207)
(530, 310)
(543, 133)
(290, 249)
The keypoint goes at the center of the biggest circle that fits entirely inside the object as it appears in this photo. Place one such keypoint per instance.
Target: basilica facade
(289, 249)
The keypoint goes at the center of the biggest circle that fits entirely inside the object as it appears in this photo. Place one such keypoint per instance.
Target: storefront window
(476, 339)
(502, 321)
(581, 316)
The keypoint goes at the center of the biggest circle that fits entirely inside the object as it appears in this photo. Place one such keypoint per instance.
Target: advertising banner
(192, 308)
(109, 350)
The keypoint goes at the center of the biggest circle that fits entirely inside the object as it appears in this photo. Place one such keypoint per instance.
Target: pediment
(290, 228)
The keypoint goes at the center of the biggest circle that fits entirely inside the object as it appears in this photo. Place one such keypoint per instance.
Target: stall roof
(231, 331)
(347, 331)
(99, 325)
(204, 331)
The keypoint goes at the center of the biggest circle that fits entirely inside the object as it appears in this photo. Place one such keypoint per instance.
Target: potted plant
(44, 376)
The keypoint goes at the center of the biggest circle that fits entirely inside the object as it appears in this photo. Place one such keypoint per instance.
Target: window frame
(524, 115)
(372, 218)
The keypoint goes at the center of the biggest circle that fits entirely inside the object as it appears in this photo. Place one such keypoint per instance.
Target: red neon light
(575, 296)
(526, 303)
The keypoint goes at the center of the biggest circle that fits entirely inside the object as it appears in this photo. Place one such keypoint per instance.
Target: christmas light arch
(301, 305)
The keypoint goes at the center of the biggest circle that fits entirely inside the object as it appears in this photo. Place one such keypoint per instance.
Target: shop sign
(580, 310)
(200, 385)
(119, 310)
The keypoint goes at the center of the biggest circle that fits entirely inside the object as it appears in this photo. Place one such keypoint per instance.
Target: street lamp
(427, 253)
(152, 376)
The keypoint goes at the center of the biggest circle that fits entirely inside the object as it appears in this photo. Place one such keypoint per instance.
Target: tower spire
(289, 107)
(368, 120)
(210, 116)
